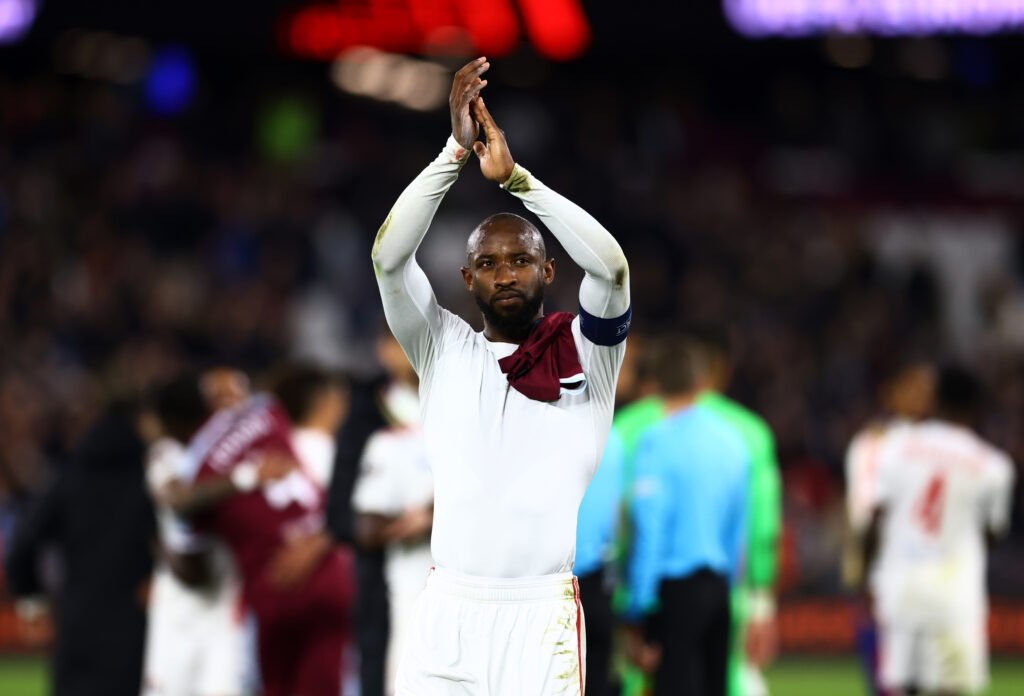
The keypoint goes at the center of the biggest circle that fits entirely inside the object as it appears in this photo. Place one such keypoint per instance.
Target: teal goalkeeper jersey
(764, 514)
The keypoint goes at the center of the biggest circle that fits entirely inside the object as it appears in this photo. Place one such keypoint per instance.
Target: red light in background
(558, 29)
(316, 32)
(493, 26)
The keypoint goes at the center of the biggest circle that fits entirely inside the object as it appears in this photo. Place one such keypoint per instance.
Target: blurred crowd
(133, 244)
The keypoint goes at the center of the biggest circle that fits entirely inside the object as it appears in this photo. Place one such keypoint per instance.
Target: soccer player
(195, 641)
(906, 396)
(689, 519)
(247, 486)
(515, 418)
(940, 491)
(753, 599)
(316, 403)
(394, 498)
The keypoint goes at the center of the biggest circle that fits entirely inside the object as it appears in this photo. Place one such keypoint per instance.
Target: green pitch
(790, 677)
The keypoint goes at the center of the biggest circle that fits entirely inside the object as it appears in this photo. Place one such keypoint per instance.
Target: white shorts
(473, 636)
(951, 657)
(195, 646)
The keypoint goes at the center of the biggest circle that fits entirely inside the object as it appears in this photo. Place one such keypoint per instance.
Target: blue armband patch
(605, 332)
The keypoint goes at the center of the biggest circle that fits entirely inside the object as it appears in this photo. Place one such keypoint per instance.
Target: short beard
(515, 327)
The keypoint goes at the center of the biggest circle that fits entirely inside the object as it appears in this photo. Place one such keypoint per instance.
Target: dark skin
(506, 267)
(375, 531)
(506, 263)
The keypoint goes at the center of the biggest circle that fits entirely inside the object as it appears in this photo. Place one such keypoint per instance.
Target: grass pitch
(789, 677)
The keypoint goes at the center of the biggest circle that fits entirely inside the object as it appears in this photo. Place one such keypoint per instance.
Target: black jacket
(99, 518)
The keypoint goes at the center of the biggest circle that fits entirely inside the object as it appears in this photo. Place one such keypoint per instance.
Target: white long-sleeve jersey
(941, 488)
(509, 472)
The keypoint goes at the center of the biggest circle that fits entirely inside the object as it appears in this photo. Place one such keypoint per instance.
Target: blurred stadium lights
(171, 81)
(557, 29)
(368, 72)
(286, 128)
(16, 17)
(102, 56)
(883, 17)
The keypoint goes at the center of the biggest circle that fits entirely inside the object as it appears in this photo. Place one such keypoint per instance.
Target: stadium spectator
(689, 510)
(99, 519)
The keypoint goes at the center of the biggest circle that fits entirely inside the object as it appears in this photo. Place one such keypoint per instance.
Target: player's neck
(679, 402)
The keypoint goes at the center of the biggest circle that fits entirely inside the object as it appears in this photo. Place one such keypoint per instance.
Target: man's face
(507, 273)
(912, 393)
(224, 387)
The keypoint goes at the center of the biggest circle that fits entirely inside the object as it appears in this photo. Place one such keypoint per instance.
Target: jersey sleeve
(999, 498)
(376, 492)
(861, 465)
(764, 511)
(604, 293)
(410, 307)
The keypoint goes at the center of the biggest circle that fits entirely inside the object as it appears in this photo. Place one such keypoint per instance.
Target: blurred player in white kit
(906, 395)
(515, 419)
(941, 491)
(394, 498)
(195, 642)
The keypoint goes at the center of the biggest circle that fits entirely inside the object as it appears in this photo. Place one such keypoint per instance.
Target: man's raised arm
(605, 290)
(409, 303)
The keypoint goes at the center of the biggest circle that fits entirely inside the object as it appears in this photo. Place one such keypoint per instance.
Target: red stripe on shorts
(579, 630)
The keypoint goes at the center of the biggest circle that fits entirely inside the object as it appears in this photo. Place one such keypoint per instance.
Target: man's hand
(274, 466)
(762, 642)
(646, 656)
(412, 524)
(465, 89)
(496, 161)
(296, 560)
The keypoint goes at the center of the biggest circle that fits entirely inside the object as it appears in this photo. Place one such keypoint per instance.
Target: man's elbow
(620, 274)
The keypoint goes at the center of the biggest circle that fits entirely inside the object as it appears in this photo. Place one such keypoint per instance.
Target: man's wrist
(455, 151)
(760, 605)
(518, 180)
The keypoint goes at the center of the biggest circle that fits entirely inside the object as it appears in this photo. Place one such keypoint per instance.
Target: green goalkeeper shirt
(764, 516)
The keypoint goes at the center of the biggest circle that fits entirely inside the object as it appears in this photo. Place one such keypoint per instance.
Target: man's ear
(549, 271)
(467, 278)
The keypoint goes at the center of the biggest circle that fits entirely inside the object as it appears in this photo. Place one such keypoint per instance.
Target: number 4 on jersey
(929, 509)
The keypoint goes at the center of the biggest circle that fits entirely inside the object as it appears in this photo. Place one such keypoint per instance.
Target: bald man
(515, 419)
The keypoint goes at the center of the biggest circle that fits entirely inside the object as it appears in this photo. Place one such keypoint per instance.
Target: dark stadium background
(756, 180)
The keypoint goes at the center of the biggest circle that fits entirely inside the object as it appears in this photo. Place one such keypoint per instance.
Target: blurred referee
(689, 513)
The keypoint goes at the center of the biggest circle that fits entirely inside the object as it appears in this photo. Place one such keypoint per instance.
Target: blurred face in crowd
(328, 409)
(911, 393)
(507, 271)
(392, 358)
(224, 387)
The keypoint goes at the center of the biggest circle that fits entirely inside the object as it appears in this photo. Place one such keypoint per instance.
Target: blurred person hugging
(245, 483)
